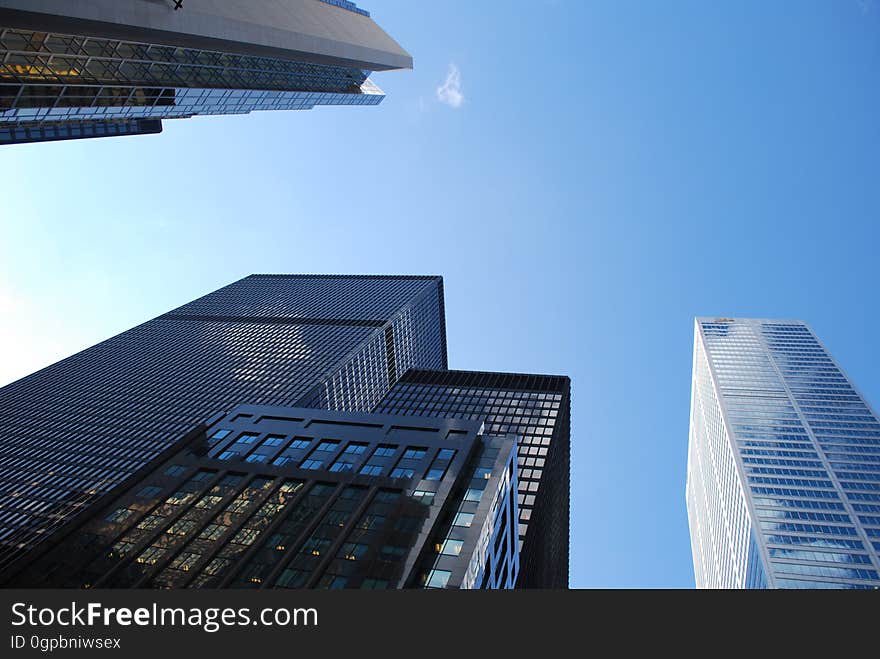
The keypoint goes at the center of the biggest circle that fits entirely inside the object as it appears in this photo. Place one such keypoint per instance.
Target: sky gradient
(587, 177)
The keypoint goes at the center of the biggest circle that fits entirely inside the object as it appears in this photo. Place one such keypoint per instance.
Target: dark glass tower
(263, 437)
(119, 67)
(282, 497)
(535, 408)
(73, 431)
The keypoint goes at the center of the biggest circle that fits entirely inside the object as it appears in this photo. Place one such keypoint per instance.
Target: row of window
(344, 462)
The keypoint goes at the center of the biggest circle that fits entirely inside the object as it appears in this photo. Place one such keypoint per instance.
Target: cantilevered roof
(304, 30)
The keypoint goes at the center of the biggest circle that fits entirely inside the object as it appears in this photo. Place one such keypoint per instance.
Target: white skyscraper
(783, 480)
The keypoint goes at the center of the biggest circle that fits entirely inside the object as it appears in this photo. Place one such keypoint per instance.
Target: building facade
(95, 68)
(534, 408)
(310, 406)
(77, 429)
(783, 477)
(283, 497)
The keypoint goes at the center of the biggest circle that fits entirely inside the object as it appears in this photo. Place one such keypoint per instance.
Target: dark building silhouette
(535, 408)
(76, 429)
(280, 497)
(248, 438)
(96, 68)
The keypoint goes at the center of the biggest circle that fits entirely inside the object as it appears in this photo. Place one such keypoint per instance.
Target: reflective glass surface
(784, 462)
(76, 429)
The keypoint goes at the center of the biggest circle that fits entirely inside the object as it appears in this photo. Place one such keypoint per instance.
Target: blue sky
(612, 170)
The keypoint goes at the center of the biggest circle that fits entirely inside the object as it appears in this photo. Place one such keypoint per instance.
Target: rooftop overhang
(301, 30)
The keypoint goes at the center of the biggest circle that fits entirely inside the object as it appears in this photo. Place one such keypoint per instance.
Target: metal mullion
(304, 535)
(309, 528)
(149, 538)
(346, 530)
(231, 533)
(267, 532)
(85, 66)
(117, 73)
(129, 100)
(181, 78)
(54, 106)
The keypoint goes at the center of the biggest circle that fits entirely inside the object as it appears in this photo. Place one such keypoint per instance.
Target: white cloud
(450, 91)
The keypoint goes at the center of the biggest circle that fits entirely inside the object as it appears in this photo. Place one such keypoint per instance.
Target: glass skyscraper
(783, 478)
(285, 431)
(286, 497)
(74, 430)
(107, 67)
(535, 409)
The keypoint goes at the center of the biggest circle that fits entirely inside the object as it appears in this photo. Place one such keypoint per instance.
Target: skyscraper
(73, 431)
(284, 497)
(285, 431)
(96, 68)
(534, 408)
(783, 477)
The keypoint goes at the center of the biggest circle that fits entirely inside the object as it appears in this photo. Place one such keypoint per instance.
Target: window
(371, 521)
(280, 462)
(256, 457)
(402, 472)
(227, 455)
(316, 546)
(255, 570)
(371, 470)
(355, 448)
(392, 553)
(374, 584)
(437, 579)
(150, 522)
(332, 582)
(408, 523)
(175, 470)
(150, 555)
(212, 531)
(181, 527)
(335, 518)
(273, 440)
(246, 537)
(387, 496)
(451, 547)
(473, 495)
(384, 451)
(185, 561)
(352, 551)
(299, 442)
(483, 472)
(414, 453)
(312, 464)
(246, 438)
(149, 491)
(291, 578)
(221, 434)
(424, 497)
(121, 548)
(434, 474)
(216, 566)
(327, 445)
(446, 454)
(463, 519)
(119, 515)
(340, 466)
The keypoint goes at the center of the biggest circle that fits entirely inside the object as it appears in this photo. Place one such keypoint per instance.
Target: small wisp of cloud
(450, 92)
